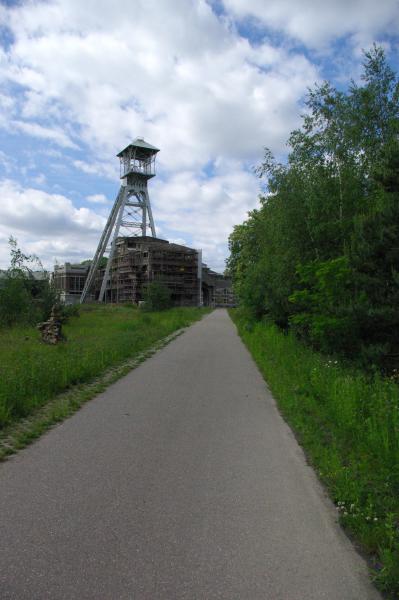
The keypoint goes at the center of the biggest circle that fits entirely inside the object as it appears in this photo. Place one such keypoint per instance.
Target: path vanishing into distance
(180, 481)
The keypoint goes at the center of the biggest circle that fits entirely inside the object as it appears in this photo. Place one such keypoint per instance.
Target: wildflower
(375, 518)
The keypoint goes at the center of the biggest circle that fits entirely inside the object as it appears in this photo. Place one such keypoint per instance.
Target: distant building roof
(71, 267)
(147, 240)
(37, 275)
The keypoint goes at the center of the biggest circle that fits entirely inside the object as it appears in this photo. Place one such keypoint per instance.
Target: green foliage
(321, 254)
(324, 316)
(15, 301)
(31, 372)
(23, 298)
(321, 258)
(102, 264)
(157, 297)
(348, 423)
(66, 311)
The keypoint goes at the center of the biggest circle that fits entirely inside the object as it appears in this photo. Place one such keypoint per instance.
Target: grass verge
(348, 424)
(41, 384)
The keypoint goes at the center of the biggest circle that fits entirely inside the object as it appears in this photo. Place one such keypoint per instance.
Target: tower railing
(134, 166)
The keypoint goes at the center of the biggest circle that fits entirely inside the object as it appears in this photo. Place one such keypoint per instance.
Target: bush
(68, 311)
(320, 255)
(23, 298)
(157, 297)
(324, 315)
(348, 424)
(14, 301)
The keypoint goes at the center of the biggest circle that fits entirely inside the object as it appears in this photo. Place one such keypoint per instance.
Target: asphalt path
(180, 481)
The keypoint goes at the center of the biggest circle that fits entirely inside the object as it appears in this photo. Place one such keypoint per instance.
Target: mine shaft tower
(131, 214)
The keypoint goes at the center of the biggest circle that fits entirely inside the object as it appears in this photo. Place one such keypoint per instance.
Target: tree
(23, 297)
(320, 255)
(157, 297)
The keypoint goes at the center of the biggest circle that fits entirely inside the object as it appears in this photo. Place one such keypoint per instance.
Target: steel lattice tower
(131, 214)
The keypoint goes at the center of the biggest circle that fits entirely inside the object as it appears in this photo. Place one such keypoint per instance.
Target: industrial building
(138, 261)
(217, 289)
(69, 281)
(127, 259)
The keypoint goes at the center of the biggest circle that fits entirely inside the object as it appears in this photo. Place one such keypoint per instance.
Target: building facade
(69, 280)
(217, 290)
(139, 261)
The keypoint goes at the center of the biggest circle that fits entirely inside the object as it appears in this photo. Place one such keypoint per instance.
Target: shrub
(157, 297)
(23, 298)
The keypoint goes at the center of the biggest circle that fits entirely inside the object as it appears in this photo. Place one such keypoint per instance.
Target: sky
(211, 83)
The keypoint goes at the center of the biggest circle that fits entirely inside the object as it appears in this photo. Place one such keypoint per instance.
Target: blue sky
(209, 83)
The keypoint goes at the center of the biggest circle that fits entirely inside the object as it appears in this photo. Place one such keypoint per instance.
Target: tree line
(321, 255)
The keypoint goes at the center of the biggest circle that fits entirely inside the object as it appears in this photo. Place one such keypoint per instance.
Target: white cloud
(317, 22)
(7, 162)
(97, 199)
(6, 102)
(45, 133)
(102, 169)
(46, 224)
(184, 80)
(205, 210)
(179, 241)
(96, 74)
(39, 179)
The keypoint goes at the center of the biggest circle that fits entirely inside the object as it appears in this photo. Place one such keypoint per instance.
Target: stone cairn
(51, 330)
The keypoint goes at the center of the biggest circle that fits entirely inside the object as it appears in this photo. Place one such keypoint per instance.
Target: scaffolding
(143, 260)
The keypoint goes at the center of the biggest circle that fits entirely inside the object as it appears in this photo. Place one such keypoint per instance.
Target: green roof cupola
(138, 158)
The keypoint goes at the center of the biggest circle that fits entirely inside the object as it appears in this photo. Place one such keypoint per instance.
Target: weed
(31, 373)
(348, 423)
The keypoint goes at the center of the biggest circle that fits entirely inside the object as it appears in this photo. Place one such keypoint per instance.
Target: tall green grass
(348, 423)
(31, 372)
